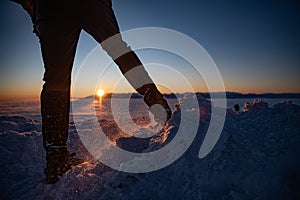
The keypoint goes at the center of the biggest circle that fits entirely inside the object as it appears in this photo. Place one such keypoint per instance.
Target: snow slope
(257, 157)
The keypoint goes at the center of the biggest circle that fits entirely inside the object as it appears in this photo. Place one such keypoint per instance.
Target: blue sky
(255, 44)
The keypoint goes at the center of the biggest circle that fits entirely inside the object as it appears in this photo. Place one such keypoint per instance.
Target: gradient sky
(255, 44)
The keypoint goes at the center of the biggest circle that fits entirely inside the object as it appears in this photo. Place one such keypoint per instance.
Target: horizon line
(135, 93)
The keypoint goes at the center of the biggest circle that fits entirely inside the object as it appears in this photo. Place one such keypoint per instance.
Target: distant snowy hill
(256, 157)
(236, 95)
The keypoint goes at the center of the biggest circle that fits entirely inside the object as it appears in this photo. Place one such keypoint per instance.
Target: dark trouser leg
(58, 45)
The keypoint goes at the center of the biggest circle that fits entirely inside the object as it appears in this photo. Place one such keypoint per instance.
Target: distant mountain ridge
(236, 95)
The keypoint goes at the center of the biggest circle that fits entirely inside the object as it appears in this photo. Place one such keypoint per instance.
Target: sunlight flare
(100, 93)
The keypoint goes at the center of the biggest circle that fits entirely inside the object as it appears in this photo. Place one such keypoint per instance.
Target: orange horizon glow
(36, 95)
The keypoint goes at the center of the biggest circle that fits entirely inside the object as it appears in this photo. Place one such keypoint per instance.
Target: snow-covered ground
(256, 157)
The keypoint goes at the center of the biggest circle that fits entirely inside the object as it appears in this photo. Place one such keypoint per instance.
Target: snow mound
(18, 124)
(287, 112)
(256, 157)
(258, 105)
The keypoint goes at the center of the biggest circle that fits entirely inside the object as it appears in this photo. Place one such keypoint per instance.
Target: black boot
(59, 161)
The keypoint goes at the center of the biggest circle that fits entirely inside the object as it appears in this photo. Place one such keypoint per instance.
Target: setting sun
(100, 93)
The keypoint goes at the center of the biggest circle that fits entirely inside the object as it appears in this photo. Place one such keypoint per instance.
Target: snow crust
(256, 157)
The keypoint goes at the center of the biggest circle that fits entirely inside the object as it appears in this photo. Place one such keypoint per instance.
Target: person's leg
(58, 41)
(102, 24)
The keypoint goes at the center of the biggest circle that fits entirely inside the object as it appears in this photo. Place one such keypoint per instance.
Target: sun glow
(100, 93)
